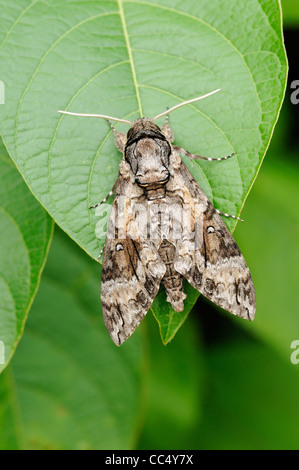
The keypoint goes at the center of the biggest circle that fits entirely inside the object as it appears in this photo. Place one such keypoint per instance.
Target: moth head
(147, 151)
(141, 128)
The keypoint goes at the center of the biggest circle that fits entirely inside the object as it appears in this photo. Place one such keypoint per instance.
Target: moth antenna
(99, 257)
(185, 102)
(96, 116)
(229, 215)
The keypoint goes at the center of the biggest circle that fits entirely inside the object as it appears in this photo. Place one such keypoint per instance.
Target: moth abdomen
(176, 296)
(172, 281)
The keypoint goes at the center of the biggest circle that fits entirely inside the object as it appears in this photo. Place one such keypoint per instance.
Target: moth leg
(120, 138)
(192, 156)
(167, 131)
(99, 257)
(228, 215)
(105, 199)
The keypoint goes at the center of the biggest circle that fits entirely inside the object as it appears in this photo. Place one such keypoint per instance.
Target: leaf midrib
(129, 49)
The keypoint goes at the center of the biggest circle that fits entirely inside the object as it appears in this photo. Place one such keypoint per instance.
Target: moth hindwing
(162, 230)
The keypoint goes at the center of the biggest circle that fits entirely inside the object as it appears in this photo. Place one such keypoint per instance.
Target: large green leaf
(132, 58)
(68, 386)
(26, 231)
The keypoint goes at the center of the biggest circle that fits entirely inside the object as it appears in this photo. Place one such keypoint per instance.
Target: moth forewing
(131, 269)
(215, 265)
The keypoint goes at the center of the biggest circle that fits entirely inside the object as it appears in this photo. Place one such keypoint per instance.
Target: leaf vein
(58, 40)
(129, 49)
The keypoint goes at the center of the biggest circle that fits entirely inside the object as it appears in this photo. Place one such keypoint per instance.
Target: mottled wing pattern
(131, 272)
(215, 266)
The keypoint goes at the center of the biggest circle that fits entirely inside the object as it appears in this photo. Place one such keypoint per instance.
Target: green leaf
(100, 57)
(252, 402)
(168, 319)
(68, 386)
(26, 231)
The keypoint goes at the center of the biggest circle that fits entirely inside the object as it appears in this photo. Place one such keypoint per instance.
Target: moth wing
(131, 272)
(212, 262)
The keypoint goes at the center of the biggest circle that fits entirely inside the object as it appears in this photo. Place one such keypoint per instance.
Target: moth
(165, 231)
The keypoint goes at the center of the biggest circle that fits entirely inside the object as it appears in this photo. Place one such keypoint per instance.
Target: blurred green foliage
(68, 386)
(290, 9)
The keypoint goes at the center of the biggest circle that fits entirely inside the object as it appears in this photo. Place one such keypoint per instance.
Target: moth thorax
(155, 193)
(149, 159)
